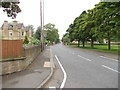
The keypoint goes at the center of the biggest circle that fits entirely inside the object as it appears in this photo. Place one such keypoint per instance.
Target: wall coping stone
(12, 59)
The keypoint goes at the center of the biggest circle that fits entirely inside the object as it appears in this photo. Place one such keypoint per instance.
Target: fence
(11, 48)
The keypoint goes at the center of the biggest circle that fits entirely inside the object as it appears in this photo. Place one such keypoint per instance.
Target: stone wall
(18, 64)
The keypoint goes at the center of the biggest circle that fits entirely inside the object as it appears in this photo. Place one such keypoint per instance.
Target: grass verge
(115, 49)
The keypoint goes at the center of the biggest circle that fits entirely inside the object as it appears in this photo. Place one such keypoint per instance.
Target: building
(15, 30)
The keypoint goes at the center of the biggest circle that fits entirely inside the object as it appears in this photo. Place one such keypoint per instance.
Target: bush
(26, 41)
(34, 41)
(46, 42)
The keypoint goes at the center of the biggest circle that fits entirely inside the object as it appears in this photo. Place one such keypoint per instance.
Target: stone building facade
(15, 30)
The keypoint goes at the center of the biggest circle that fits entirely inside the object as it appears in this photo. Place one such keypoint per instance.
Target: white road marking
(84, 58)
(110, 68)
(47, 64)
(65, 75)
(52, 88)
(109, 58)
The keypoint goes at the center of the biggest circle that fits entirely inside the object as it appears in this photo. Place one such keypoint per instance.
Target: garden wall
(19, 64)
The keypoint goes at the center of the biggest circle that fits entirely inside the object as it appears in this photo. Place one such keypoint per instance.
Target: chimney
(15, 26)
(15, 30)
(5, 25)
(5, 32)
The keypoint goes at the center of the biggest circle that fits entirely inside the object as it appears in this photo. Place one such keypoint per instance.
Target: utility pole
(42, 23)
(43, 28)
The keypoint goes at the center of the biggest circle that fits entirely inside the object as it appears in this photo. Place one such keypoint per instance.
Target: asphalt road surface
(85, 69)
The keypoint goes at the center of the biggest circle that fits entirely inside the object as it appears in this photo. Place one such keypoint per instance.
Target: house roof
(10, 26)
(20, 25)
(27, 28)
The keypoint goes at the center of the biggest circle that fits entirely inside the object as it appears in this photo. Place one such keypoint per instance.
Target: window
(10, 33)
(22, 33)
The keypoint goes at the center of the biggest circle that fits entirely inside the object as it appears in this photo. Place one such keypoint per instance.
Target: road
(85, 69)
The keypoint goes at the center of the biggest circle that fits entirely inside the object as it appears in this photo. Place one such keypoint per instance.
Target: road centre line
(110, 68)
(65, 75)
(84, 58)
(109, 58)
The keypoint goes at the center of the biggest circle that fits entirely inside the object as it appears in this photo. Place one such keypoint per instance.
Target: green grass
(101, 48)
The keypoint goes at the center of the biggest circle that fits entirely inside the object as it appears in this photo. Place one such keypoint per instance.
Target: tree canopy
(38, 33)
(66, 39)
(97, 24)
(51, 33)
(11, 8)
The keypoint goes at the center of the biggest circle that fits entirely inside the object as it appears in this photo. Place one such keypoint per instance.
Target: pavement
(35, 76)
(86, 69)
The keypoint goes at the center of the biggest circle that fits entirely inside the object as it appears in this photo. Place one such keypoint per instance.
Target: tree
(65, 39)
(11, 8)
(108, 25)
(38, 33)
(75, 30)
(81, 34)
(101, 22)
(71, 32)
(51, 33)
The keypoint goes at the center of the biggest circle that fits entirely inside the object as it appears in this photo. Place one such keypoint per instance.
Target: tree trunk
(83, 43)
(78, 43)
(109, 44)
(92, 43)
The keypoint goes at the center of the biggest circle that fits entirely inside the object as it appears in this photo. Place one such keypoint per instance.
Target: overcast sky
(59, 12)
